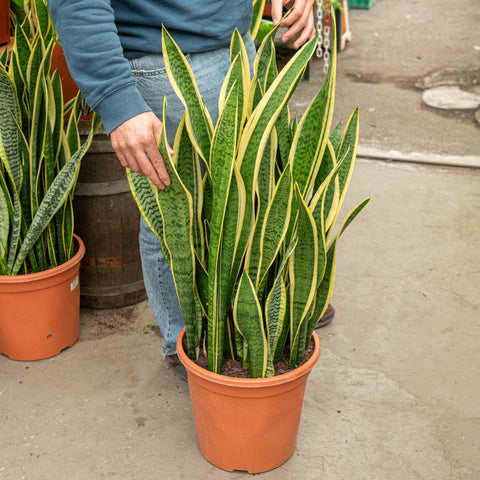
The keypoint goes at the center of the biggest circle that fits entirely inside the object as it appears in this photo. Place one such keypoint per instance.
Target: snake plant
(40, 152)
(248, 222)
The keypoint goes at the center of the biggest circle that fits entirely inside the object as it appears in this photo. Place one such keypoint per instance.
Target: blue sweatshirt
(99, 36)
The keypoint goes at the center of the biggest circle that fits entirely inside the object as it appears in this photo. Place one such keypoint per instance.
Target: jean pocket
(149, 66)
(149, 73)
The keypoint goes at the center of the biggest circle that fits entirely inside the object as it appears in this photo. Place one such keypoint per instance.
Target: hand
(300, 21)
(135, 143)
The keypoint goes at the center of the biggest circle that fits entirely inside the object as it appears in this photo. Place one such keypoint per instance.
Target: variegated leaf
(325, 289)
(258, 7)
(303, 275)
(221, 161)
(248, 318)
(275, 225)
(348, 148)
(175, 204)
(198, 121)
(276, 309)
(187, 164)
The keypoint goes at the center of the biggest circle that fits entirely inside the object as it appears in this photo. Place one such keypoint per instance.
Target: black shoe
(327, 317)
(175, 365)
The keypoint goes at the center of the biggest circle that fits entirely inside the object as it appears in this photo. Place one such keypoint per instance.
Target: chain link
(323, 30)
(319, 27)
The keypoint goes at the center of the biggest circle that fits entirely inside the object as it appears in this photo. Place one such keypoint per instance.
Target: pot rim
(298, 372)
(50, 272)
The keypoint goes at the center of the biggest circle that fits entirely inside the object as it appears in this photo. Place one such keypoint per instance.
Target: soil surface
(234, 368)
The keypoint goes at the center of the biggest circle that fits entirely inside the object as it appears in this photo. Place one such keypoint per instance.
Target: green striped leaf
(235, 211)
(72, 134)
(264, 65)
(312, 133)
(21, 52)
(239, 72)
(275, 224)
(50, 235)
(276, 309)
(328, 164)
(36, 138)
(4, 58)
(187, 164)
(16, 224)
(325, 289)
(11, 162)
(201, 281)
(175, 204)
(143, 192)
(265, 189)
(47, 151)
(9, 135)
(266, 73)
(56, 96)
(247, 315)
(4, 224)
(221, 162)
(67, 228)
(198, 121)
(303, 275)
(59, 231)
(42, 17)
(347, 148)
(318, 208)
(258, 7)
(33, 67)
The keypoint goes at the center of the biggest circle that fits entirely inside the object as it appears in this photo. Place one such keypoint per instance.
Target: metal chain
(319, 27)
(323, 31)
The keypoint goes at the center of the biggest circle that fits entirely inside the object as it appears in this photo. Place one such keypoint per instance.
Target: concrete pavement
(396, 392)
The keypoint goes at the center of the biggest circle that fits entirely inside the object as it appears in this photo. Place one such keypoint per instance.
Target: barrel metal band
(102, 188)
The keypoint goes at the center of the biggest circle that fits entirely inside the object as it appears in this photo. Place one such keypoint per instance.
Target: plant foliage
(248, 222)
(40, 151)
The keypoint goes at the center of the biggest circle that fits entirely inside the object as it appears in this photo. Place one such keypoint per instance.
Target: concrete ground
(396, 392)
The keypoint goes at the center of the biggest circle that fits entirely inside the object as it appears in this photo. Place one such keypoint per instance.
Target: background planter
(366, 4)
(39, 314)
(4, 21)
(246, 424)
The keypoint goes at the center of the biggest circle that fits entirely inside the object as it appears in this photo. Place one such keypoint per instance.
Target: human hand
(135, 143)
(300, 20)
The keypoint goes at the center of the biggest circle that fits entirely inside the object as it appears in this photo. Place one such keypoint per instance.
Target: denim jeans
(152, 81)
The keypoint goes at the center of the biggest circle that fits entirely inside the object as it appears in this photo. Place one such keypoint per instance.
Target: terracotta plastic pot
(69, 87)
(246, 424)
(39, 312)
(4, 21)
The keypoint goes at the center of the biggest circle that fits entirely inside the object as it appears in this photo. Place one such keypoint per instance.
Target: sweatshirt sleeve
(87, 32)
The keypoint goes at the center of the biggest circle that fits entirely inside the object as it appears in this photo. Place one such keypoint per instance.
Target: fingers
(135, 143)
(277, 10)
(300, 20)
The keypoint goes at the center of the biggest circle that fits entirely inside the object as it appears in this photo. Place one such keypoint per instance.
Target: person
(114, 53)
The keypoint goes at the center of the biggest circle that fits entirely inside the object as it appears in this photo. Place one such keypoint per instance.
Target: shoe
(174, 364)
(327, 317)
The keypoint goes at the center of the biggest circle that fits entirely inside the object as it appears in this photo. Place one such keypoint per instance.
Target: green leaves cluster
(40, 151)
(248, 222)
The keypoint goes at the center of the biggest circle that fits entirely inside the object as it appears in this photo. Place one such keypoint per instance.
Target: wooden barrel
(107, 220)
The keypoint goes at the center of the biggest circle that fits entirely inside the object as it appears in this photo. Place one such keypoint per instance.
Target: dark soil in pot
(234, 368)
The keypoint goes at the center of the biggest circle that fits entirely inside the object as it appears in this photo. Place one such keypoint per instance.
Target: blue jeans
(152, 81)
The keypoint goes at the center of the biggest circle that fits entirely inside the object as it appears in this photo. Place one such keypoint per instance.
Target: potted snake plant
(248, 226)
(40, 155)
